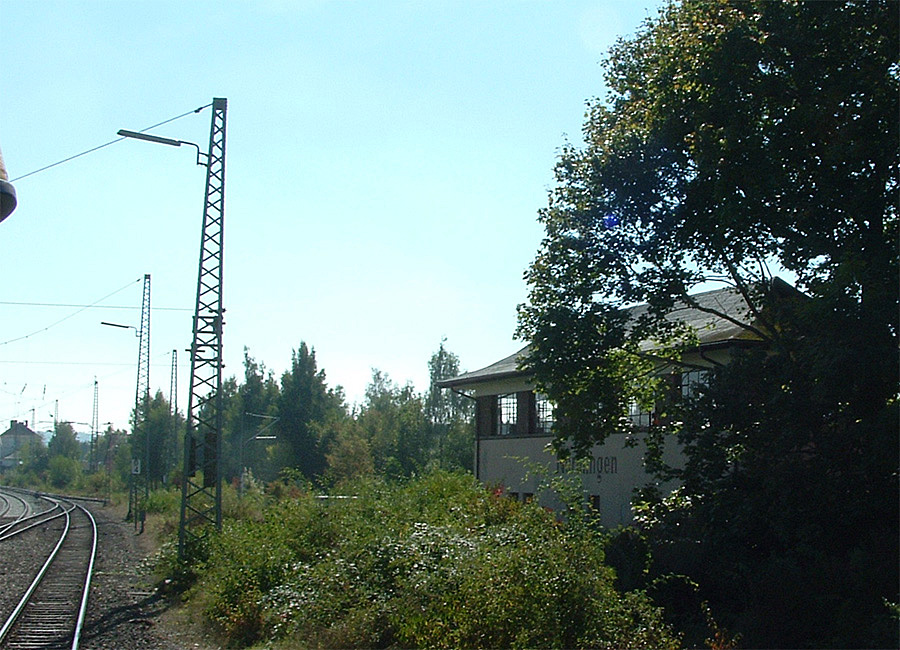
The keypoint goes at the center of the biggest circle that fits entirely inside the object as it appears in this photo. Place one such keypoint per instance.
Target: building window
(507, 414)
(544, 415)
(640, 418)
(692, 382)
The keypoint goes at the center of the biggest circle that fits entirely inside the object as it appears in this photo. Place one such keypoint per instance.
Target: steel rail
(83, 585)
(8, 494)
(36, 519)
(4, 631)
(28, 508)
(82, 611)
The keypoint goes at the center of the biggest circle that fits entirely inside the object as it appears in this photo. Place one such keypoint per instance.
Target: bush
(165, 502)
(63, 472)
(432, 562)
(97, 484)
(628, 552)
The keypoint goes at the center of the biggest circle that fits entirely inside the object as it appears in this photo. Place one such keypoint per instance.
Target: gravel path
(124, 612)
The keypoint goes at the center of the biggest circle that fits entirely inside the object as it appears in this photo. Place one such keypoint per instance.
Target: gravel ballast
(124, 611)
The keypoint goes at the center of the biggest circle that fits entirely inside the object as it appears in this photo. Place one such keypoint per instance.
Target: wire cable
(65, 304)
(84, 153)
(20, 338)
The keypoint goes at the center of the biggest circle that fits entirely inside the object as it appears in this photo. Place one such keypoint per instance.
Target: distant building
(513, 423)
(13, 440)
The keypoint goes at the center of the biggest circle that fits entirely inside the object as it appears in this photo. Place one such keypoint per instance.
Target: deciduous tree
(304, 403)
(393, 421)
(450, 415)
(737, 137)
(64, 442)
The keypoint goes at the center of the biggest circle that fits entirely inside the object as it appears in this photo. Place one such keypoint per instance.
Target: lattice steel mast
(201, 498)
(171, 450)
(173, 384)
(140, 469)
(95, 426)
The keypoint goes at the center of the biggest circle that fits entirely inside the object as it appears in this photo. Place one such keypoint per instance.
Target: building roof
(713, 330)
(18, 429)
(12, 440)
(508, 367)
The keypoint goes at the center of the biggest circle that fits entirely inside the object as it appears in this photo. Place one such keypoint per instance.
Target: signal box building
(514, 423)
(13, 440)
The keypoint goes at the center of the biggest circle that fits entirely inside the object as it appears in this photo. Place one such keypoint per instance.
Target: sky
(385, 165)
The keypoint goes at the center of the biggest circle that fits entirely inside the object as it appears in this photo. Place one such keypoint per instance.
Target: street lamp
(257, 436)
(124, 327)
(125, 133)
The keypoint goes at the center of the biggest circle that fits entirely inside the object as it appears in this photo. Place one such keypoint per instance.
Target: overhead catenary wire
(97, 148)
(66, 304)
(80, 388)
(74, 313)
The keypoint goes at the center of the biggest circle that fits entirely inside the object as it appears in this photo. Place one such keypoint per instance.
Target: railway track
(51, 610)
(24, 510)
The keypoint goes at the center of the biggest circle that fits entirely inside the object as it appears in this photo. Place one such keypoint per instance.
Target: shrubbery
(433, 562)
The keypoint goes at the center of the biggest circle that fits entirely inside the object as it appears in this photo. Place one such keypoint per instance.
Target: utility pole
(171, 453)
(173, 384)
(95, 425)
(141, 475)
(201, 498)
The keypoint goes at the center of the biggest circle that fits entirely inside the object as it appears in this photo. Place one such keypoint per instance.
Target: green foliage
(176, 575)
(163, 502)
(34, 456)
(521, 585)
(97, 484)
(251, 406)
(395, 432)
(393, 421)
(350, 453)
(258, 557)
(739, 134)
(432, 562)
(156, 440)
(164, 429)
(64, 442)
(305, 402)
(63, 472)
(449, 415)
(119, 456)
(628, 552)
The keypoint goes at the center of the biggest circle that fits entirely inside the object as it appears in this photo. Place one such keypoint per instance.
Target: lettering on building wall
(597, 465)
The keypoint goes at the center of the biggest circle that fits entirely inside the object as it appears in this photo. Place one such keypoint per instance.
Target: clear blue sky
(385, 164)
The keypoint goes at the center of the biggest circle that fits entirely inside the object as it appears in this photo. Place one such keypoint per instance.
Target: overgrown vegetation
(66, 464)
(298, 423)
(437, 561)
